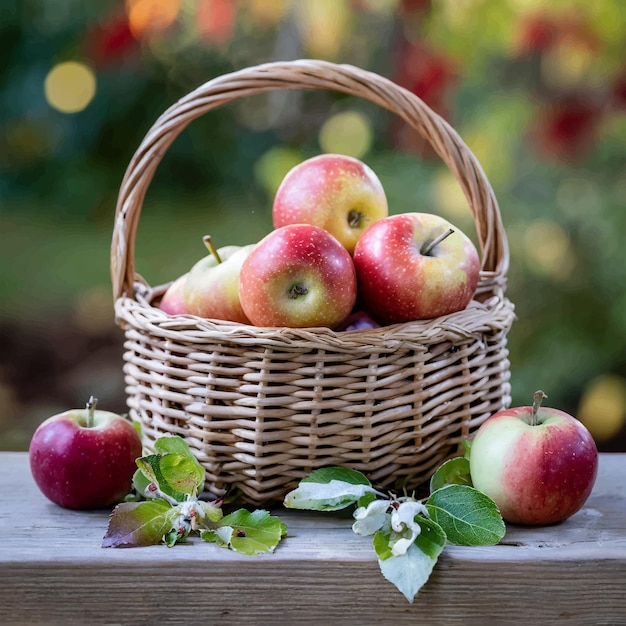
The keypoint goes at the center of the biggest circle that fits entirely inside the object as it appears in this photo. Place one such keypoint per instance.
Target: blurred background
(536, 89)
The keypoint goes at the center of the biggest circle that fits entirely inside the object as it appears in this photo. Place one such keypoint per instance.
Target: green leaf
(140, 482)
(183, 475)
(467, 447)
(172, 444)
(432, 540)
(454, 471)
(139, 524)
(467, 516)
(329, 489)
(150, 465)
(344, 474)
(366, 499)
(248, 533)
(410, 571)
(211, 512)
(330, 496)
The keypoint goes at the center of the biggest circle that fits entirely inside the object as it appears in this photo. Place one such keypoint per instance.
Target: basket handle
(309, 74)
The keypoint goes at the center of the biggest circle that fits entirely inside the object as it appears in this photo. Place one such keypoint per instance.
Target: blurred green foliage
(536, 89)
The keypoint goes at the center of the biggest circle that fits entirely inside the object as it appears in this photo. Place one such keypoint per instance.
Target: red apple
(415, 266)
(212, 286)
(297, 276)
(537, 464)
(173, 301)
(338, 193)
(83, 458)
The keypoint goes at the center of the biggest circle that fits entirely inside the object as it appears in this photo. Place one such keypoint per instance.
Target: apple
(212, 286)
(297, 276)
(173, 300)
(83, 458)
(415, 266)
(338, 193)
(537, 464)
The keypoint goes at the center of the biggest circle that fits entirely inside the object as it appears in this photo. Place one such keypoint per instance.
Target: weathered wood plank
(53, 571)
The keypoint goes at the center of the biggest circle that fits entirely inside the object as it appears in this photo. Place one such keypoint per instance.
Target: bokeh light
(602, 407)
(151, 16)
(267, 12)
(323, 25)
(349, 132)
(272, 167)
(548, 249)
(70, 86)
(216, 20)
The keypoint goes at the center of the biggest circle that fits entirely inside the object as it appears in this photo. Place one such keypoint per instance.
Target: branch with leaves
(407, 535)
(170, 481)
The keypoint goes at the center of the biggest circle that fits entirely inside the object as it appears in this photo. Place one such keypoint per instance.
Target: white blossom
(403, 520)
(371, 518)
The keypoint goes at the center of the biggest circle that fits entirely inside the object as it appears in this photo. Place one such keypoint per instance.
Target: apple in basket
(212, 286)
(173, 300)
(298, 275)
(83, 458)
(415, 266)
(338, 193)
(537, 464)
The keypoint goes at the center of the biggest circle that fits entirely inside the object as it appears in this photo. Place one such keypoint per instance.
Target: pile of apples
(335, 258)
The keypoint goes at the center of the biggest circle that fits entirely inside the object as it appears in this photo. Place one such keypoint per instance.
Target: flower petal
(371, 518)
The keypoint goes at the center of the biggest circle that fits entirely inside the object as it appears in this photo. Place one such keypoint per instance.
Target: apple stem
(91, 407)
(538, 398)
(208, 242)
(427, 248)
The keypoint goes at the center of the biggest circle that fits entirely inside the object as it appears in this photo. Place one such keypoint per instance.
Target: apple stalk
(538, 398)
(428, 247)
(208, 242)
(91, 409)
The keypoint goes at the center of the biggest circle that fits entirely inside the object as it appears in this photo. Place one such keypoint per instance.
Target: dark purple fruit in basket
(338, 193)
(83, 458)
(415, 266)
(298, 275)
(212, 285)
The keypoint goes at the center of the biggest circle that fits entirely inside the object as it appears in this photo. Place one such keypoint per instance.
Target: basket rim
(308, 74)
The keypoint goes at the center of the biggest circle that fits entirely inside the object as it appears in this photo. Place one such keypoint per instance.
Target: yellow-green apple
(415, 266)
(338, 193)
(537, 464)
(298, 275)
(212, 286)
(83, 458)
(173, 300)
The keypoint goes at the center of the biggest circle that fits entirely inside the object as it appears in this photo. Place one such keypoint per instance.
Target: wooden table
(53, 571)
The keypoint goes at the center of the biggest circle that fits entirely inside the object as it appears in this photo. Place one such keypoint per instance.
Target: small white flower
(371, 518)
(403, 520)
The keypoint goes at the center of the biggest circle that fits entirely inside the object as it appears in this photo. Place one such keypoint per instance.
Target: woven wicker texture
(262, 407)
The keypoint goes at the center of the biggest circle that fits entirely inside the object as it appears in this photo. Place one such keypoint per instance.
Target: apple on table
(83, 458)
(537, 464)
(298, 276)
(415, 266)
(338, 193)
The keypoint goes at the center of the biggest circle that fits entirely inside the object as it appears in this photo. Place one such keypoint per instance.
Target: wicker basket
(262, 407)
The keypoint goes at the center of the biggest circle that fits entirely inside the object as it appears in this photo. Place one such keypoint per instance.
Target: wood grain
(53, 571)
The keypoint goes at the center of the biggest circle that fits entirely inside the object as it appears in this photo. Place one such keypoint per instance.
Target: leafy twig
(170, 481)
(407, 535)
